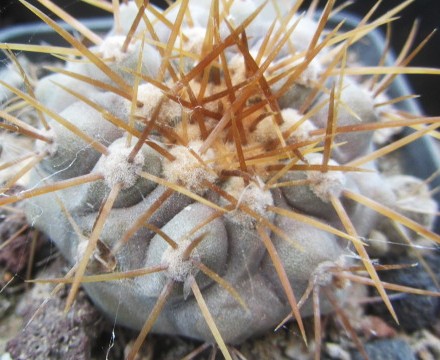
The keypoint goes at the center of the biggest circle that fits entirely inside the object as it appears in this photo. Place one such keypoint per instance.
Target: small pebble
(414, 312)
(388, 349)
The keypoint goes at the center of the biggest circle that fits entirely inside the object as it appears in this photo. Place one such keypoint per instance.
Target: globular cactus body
(232, 247)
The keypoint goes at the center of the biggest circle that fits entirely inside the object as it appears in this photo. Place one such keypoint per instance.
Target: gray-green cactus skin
(231, 245)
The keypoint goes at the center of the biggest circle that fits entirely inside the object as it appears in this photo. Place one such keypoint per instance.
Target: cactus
(213, 164)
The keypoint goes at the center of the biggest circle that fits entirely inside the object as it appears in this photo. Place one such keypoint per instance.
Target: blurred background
(426, 11)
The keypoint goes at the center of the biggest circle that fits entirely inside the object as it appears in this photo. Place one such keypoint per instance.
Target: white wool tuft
(325, 184)
(179, 269)
(111, 48)
(116, 168)
(149, 95)
(187, 170)
(252, 195)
